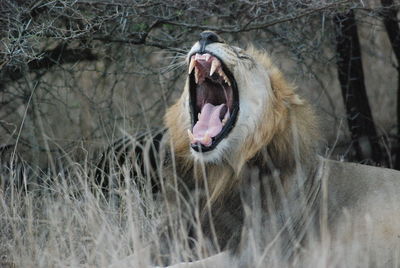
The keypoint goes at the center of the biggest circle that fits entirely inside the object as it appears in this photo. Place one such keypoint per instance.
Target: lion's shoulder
(354, 186)
(355, 172)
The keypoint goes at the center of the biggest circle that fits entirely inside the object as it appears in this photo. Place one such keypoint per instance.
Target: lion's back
(363, 207)
(351, 182)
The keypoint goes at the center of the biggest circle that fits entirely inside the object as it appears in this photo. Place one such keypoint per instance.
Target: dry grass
(63, 219)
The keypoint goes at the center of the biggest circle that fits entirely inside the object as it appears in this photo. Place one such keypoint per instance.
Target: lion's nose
(208, 37)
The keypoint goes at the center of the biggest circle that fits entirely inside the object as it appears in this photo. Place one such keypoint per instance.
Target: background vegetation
(75, 73)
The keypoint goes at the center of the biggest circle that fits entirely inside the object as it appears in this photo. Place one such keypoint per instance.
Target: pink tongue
(209, 124)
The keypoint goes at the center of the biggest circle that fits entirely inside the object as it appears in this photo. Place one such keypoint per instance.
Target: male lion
(245, 159)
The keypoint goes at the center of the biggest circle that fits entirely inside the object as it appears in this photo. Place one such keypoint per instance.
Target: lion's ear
(283, 90)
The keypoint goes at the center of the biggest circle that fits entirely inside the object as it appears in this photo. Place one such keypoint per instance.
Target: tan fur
(282, 147)
(287, 118)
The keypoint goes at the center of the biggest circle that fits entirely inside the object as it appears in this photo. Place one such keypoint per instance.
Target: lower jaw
(212, 156)
(200, 148)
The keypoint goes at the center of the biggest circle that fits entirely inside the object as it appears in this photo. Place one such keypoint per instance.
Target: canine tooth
(191, 66)
(198, 116)
(214, 65)
(196, 75)
(227, 81)
(207, 57)
(191, 137)
(206, 139)
(226, 117)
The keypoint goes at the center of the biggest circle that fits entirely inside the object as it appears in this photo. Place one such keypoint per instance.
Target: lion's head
(243, 121)
(234, 103)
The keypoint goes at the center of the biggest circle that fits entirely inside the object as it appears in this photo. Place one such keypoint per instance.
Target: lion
(245, 154)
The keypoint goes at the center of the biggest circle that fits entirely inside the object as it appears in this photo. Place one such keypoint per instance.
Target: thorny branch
(148, 23)
(96, 61)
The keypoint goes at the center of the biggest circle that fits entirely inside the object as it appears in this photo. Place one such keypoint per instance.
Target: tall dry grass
(64, 219)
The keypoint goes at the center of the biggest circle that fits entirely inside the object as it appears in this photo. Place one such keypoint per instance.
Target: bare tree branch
(393, 30)
(351, 77)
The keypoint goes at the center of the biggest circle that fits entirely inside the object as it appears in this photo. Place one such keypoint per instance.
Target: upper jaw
(219, 50)
(204, 66)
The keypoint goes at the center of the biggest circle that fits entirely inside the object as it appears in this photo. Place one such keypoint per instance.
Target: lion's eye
(241, 54)
(237, 49)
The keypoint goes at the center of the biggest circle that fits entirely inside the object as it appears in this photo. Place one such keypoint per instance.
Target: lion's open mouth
(214, 101)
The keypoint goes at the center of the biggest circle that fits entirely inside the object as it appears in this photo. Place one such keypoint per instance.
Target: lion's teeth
(214, 65)
(198, 116)
(191, 66)
(226, 117)
(227, 81)
(206, 139)
(223, 75)
(191, 137)
(196, 75)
